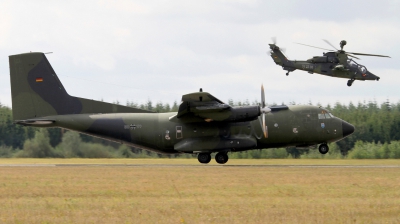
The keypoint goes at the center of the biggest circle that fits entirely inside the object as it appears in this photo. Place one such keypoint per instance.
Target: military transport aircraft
(203, 124)
(334, 63)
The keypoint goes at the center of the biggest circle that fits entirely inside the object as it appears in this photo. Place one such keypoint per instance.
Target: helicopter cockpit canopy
(355, 65)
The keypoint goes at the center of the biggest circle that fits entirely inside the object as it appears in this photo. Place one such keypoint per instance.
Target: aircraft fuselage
(297, 126)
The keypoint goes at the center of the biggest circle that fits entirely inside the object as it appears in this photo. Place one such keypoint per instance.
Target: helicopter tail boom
(280, 59)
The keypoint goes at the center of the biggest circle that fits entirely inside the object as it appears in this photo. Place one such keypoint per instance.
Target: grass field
(200, 194)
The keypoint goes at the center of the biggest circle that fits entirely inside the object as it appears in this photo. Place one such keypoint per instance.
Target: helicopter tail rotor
(282, 49)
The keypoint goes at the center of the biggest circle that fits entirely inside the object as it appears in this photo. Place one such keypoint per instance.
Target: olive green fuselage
(297, 126)
(334, 64)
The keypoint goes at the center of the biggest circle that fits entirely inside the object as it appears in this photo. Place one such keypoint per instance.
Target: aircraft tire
(221, 157)
(323, 148)
(204, 157)
(350, 82)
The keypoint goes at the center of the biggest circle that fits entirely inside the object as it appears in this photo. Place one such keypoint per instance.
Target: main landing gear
(287, 73)
(350, 82)
(221, 157)
(204, 157)
(323, 148)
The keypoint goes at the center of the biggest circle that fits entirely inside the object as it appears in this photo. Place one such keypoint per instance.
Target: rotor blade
(330, 44)
(263, 125)
(314, 46)
(262, 96)
(273, 40)
(375, 55)
(352, 56)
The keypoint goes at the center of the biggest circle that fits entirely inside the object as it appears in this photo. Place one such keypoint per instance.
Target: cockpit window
(362, 69)
(324, 114)
(352, 63)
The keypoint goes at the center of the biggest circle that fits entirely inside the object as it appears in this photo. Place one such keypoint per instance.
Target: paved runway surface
(199, 165)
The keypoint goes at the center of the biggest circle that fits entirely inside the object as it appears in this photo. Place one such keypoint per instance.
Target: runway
(200, 165)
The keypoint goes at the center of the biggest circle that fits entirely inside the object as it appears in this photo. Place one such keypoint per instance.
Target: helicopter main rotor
(342, 43)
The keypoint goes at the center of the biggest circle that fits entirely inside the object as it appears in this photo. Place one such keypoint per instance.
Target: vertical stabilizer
(277, 55)
(37, 92)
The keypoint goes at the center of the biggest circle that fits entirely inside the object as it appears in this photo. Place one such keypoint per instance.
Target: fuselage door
(179, 133)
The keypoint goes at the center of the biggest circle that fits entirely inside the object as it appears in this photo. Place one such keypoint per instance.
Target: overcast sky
(160, 50)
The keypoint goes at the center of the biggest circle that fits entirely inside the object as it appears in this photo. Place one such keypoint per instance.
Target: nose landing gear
(323, 148)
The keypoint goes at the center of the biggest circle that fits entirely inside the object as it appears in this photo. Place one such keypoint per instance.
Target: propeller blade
(314, 47)
(263, 125)
(352, 56)
(262, 97)
(375, 55)
(330, 44)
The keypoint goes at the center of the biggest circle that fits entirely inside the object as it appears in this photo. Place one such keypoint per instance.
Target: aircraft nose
(372, 76)
(347, 128)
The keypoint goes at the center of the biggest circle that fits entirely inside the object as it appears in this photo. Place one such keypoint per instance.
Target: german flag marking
(39, 79)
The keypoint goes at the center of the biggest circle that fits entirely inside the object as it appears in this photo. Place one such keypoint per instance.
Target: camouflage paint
(203, 123)
(331, 64)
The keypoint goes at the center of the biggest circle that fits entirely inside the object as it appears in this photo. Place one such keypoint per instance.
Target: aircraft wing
(201, 104)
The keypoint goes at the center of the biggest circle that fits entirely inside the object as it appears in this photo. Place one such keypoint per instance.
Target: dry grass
(350, 162)
(202, 194)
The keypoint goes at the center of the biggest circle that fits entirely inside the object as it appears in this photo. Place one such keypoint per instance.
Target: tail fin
(277, 55)
(37, 92)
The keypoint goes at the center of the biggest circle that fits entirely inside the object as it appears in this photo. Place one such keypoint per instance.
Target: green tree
(39, 146)
(71, 144)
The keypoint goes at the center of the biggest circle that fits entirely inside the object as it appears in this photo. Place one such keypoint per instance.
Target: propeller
(263, 110)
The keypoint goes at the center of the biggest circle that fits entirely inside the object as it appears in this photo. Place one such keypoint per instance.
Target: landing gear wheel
(287, 73)
(350, 82)
(204, 157)
(221, 157)
(323, 148)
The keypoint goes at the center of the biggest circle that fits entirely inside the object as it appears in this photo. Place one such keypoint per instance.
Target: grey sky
(160, 50)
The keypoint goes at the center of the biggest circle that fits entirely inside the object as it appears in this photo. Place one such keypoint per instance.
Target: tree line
(377, 135)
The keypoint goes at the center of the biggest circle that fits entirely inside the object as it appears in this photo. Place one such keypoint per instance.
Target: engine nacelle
(318, 59)
(233, 114)
(245, 113)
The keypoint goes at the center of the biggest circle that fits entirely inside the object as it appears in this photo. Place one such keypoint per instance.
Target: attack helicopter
(335, 63)
(202, 125)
